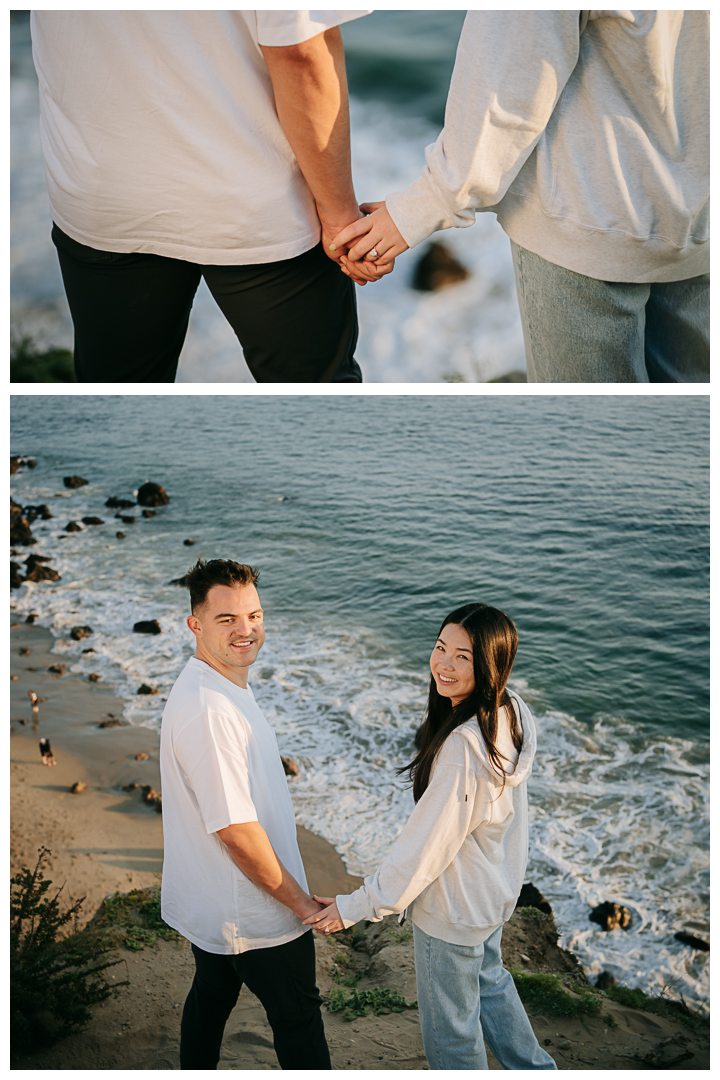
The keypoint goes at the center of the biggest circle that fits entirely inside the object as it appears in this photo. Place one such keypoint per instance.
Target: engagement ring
(372, 254)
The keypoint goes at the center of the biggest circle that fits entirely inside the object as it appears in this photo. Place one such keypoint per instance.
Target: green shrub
(547, 994)
(135, 919)
(28, 364)
(358, 1003)
(54, 977)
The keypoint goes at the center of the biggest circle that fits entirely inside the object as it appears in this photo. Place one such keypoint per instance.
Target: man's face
(229, 630)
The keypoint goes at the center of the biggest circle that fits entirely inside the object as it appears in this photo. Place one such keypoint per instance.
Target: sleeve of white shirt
(510, 70)
(454, 804)
(212, 751)
(292, 27)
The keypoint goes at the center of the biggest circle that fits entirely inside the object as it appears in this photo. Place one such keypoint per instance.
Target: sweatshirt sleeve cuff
(418, 212)
(355, 907)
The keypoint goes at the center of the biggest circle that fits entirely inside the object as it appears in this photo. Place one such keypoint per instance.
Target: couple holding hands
(182, 145)
(233, 880)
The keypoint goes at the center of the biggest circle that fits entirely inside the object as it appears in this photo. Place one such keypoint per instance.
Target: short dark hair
(204, 574)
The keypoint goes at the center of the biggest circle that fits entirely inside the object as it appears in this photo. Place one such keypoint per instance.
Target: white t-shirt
(220, 765)
(160, 134)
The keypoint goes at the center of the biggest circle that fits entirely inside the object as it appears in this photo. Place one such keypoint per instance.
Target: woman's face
(451, 664)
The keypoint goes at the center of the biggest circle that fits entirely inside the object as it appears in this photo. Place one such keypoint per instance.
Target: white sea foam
(615, 814)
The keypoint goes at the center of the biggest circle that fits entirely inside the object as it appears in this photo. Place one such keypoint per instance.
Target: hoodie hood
(514, 774)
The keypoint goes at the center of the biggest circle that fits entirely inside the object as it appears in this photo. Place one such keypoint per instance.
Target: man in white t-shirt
(233, 879)
(189, 144)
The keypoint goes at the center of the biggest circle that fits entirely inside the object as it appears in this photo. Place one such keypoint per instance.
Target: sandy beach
(106, 839)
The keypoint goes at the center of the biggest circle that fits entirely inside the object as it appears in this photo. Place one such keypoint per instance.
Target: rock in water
(57, 669)
(147, 626)
(188, 542)
(114, 722)
(149, 513)
(120, 535)
(42, 573)
(79, 632)
(74, 481)
(118, 504)
(290, 766)
(532, 897)
(93, 521)
(152, 495)
(94, 677)
(126, 519)
(145, 689)
(611, 916)
(15, 579)
(692, 941)
(72, 526)
(437, 269)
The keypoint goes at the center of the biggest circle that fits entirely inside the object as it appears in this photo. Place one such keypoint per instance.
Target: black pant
(295, 319)
(283, 978)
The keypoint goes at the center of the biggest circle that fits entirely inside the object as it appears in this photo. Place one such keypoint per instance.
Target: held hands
(328, 920)
(360, 273)
(375, 233)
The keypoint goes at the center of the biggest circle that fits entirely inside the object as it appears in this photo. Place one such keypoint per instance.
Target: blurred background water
(371, 517)
(399, 68)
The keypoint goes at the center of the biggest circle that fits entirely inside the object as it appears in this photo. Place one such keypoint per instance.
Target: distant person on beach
(34, 702)
(46, 752)
(458, 865)
(182, 145)
(587, 133)
(233, 880)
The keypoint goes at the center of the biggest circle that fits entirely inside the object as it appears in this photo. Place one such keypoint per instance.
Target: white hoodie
(460, 861)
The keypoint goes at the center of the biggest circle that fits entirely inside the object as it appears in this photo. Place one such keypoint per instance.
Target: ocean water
(584, 517)
(399, 68)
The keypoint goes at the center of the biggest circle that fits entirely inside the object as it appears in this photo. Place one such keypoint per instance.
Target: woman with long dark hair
(459, 863)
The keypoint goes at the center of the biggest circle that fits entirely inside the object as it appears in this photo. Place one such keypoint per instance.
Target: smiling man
(233, 879)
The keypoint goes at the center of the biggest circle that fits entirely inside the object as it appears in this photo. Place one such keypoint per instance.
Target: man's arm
(311, 98)
(254, 854)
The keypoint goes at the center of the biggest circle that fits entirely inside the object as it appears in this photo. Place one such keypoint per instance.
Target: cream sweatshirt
(459, 863)
(587, 132)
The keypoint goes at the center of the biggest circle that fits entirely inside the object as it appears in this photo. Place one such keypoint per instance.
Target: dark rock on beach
(93, 521)
(532, 897)
(94, 677)
(17, 462)
(72, 526)
(41, 511)
(31, 617)
(77, 788)
(119, 504)
(290, 766)
(42, 573)
(79, 632)
(188, 543)
(437, 269)
(112, 722)
(87, 650)
(152, 495)
(127, 519)
(119, 535)
(15, 579)
(20, 531)
(74, 481)
(605, 981)
(57, 669)
(692, 941)
(149, 513)
(145, 689)
(147, 626)
(611, 916)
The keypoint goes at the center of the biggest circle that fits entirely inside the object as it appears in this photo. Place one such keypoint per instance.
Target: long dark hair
(494, 644)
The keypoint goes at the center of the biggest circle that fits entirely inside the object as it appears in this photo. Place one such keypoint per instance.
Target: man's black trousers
(283, 978)
(295, 319)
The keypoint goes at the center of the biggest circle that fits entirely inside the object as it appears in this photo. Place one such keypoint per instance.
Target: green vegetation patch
(356, 1003)
(30, 364)
(135, 919)
(55, 976)
(546, 993)
(661, 1006)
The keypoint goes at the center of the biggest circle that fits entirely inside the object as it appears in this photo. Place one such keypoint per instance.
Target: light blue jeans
(580, 329)
(466, 998)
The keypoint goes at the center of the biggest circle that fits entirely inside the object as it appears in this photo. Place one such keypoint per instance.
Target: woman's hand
(377, 232)
(360, 272)
(327, 921)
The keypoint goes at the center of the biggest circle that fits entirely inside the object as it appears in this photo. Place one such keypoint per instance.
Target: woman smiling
(459, 863)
